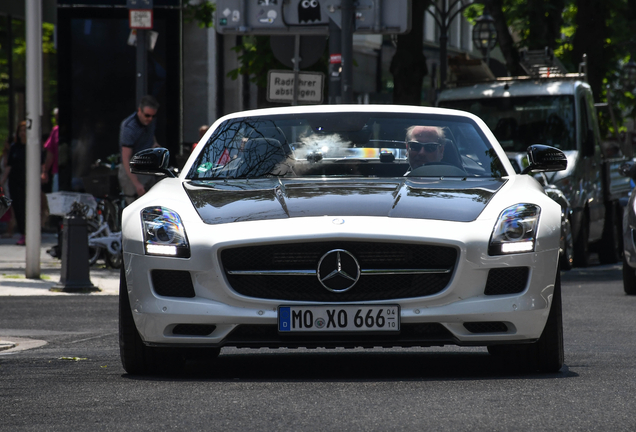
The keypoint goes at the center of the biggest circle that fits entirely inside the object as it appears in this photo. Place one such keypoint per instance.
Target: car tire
(610, 248)
(136, 357)
(548, 352)
(566, 259)
(545, 355)
(629, 278)
(581, 244)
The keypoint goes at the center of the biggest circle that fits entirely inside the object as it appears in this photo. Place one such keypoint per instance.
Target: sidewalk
(13, 264)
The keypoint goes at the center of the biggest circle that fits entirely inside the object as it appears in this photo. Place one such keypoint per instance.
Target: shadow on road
(354, 366)
(594, 274)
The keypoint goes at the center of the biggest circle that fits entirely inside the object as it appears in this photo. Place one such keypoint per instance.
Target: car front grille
(172, 283)
(511, 280)
(387, 271)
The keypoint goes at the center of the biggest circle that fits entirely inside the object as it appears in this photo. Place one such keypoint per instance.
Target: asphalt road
(75, 380)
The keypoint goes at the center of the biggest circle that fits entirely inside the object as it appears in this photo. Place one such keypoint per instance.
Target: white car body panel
(463, 300)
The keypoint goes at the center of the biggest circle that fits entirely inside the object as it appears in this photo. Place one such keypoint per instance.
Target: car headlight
(515, 230)
(164, 233)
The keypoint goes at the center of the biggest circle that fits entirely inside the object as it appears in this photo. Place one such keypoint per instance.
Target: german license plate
(341, 318)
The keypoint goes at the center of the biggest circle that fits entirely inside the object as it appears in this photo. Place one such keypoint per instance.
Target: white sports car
(309, 227)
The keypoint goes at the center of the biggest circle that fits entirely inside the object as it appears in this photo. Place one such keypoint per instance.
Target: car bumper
(438, 319)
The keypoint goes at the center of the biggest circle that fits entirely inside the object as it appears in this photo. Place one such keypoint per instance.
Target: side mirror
(543, 158)
(153, 161)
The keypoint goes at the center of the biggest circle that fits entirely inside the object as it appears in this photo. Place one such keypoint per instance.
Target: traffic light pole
(335, 63)
(141, 65)
(296, 60)
(348, 11)
(33, 12)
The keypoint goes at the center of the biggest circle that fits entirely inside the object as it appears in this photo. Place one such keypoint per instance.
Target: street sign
(310, 17)
(310, 50)
(310, 12)
(280, 86)
(250, 17)
(140, 18)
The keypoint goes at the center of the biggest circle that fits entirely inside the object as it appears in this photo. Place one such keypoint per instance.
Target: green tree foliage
(256, 58)
(201, 12)
(601, 29)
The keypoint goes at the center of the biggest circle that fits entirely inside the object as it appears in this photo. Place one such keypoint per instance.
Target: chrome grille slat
(369, 272)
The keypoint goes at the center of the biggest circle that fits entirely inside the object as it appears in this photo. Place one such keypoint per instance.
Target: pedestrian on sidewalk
(202, 130)
(49, 175)
(137, 133)
(15, 172)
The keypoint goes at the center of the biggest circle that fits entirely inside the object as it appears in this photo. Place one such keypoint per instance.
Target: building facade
(91, 75)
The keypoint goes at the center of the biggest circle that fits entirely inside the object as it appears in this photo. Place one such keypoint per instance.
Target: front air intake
(193, 329)
(172, 283)
(509, 280)
(486, 327)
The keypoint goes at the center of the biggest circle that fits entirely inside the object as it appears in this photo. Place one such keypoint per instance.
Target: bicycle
(105, 236)
(102, 240)
(101, 207)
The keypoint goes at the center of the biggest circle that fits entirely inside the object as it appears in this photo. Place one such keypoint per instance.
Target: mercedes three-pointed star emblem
(338, 270)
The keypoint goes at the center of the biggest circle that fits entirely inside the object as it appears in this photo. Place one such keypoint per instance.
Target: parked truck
(550, 106)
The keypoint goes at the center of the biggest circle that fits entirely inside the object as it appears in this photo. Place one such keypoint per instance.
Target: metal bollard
(75, 269)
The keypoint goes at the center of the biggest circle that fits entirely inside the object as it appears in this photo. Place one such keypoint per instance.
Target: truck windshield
(518, 122)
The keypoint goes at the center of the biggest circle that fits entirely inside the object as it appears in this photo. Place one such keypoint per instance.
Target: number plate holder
(339, 318)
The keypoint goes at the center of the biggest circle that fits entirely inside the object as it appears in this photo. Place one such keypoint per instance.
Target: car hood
(460, 200)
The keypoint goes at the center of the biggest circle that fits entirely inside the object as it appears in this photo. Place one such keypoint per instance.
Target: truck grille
(388, 271)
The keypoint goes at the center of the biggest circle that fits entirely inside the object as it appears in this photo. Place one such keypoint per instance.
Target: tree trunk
(589, 39)
(408, 65)
(544, 23)
(504, 38)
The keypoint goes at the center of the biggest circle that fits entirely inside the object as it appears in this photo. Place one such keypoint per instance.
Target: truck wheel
(136, 357)
(629, 278)
(581, 244)
(609, 251)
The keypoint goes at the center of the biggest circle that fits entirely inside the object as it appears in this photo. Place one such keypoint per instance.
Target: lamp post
(485, 35)
(444, 14)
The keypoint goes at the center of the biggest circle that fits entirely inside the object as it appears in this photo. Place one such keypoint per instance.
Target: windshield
(518, 122)
(347, 144)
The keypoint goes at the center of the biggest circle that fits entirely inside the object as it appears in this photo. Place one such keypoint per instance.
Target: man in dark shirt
(136, 133)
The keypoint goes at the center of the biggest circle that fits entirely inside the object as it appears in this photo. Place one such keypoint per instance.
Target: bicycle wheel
(111, 215)
(94, 253)
(114, 260)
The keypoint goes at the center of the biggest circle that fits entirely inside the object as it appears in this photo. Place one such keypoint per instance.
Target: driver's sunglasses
(429, 147)
(149, 115)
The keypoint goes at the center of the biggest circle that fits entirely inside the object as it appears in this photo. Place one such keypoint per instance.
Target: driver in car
(425, 145)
